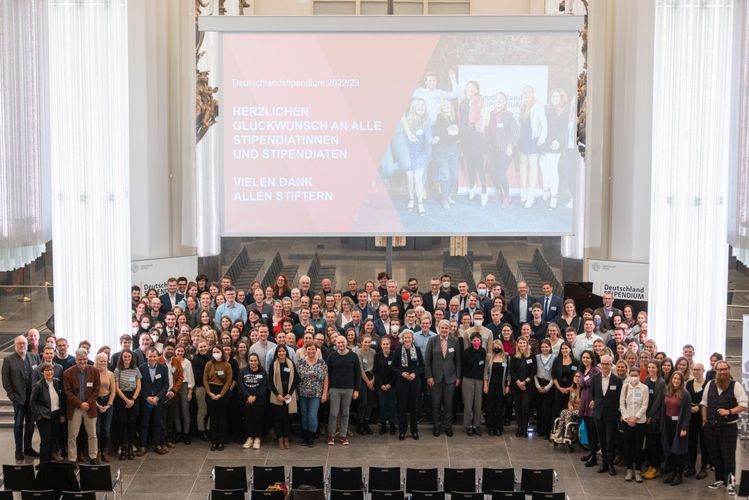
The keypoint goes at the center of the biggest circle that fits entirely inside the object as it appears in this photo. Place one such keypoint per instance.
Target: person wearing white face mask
(633, 406)
(217, 379)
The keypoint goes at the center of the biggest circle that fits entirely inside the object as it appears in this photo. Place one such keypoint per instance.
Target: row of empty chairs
(386, 483)
(56, 480)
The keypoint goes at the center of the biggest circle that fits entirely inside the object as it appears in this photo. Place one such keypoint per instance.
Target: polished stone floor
(185, 473)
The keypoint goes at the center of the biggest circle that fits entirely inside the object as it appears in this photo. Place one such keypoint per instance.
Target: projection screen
(398, 126)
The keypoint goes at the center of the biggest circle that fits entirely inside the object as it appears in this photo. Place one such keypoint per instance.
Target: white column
(691, 117)
(90, 161)
(207, 163)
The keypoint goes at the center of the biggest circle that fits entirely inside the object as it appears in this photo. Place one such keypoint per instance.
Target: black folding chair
(460, 480)
(346, 494)
(38, 495)
(427, 495)
(230, 478)
(57, 476)
(264, 476)
(422, 480)
(346, 479)
(385, 479)
(267, 494)
(308, 476)
(538, 495)
(78, 495)
(462, 495)
(19, 477)
(99, 478)
(537, 480)
(508, 495)
(227, 494)
(497, 480)
(386, 494)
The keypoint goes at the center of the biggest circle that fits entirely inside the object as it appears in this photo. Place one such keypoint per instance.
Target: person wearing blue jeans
(104, 404)
(313, 389)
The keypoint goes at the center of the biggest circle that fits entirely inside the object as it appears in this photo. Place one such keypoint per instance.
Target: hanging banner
(153, 273)
(626, 280)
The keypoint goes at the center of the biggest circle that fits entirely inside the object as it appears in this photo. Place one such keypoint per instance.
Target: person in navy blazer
(606, 411)
(513, 306)
(153, 393)
(552, 310)
(171, 291)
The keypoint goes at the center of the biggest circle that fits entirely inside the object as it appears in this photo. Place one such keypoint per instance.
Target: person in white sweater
(633, 405)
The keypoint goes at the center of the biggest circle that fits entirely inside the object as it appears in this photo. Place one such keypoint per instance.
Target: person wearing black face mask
(496, 388)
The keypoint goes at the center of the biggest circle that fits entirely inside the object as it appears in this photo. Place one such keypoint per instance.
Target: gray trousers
(473, 394)
(442, 397)
(340, 402)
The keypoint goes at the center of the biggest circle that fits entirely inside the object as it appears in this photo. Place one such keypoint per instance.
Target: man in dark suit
(608, 311)
(391, 297)
(472, 306)
(81, 385)
(17, 372)
(172, 297)
(433, 295)
(519, 306)
(442, 372)
(551, 304)
(606, 390)
(382, 323)
(154, 386)
(462, 295)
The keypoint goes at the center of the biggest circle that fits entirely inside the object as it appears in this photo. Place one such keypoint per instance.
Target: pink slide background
(385, 87)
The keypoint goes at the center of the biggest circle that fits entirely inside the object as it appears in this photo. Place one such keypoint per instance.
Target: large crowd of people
(226, 365)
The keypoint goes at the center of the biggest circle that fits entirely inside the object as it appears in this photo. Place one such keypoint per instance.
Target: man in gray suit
(442, 371)
(17, 371)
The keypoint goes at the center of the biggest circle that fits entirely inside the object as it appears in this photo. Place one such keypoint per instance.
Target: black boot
(392, 429)
(383, 428)
(677, 479)
(367, 428)
(669, 477)
(690, 471)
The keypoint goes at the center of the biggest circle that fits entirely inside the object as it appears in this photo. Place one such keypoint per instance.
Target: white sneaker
(471, 193)
(530, 201)
(731, 489)
(484, 199)
(569, 204)
(638, 476)
(247, 443)
(715, 485)
(523, 195)
(630, 475)
(256, 444)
